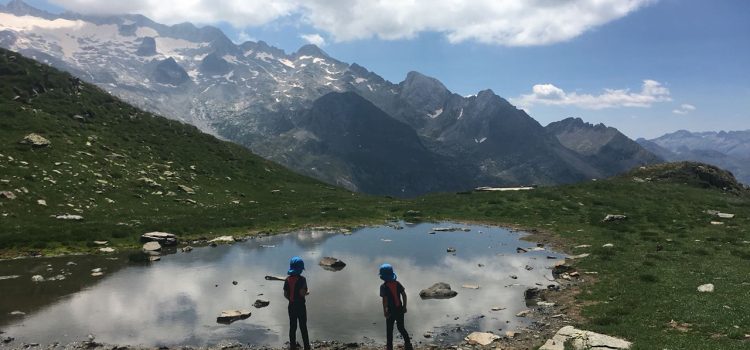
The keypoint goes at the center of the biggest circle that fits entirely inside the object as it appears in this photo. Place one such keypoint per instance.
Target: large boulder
(332, 264)
(35, 140)
(438, 290)
(583, 340)
(152, 247)
(165, 239)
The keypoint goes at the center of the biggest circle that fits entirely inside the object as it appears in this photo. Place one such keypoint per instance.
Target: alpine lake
(176, 301)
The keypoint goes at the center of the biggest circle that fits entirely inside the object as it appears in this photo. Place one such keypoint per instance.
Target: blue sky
(695, 52)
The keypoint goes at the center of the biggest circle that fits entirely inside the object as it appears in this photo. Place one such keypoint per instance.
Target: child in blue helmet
(295, 290)
(394, 306)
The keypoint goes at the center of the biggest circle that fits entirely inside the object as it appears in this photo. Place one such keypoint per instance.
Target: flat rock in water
(706, 288)
(332, 264)
(480, 338)
(261, 303)
(152, 246)
(229, 316)
(583, 340)
(438, 290)
(164, 238)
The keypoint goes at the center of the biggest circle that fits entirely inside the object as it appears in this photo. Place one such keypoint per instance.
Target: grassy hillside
(122, 169)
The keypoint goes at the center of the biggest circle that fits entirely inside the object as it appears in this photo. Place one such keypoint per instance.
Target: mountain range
(321, 117)
(728, 150)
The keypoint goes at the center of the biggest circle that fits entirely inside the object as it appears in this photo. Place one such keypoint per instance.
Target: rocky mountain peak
(422, 92)
(21, 8)
(311, 50)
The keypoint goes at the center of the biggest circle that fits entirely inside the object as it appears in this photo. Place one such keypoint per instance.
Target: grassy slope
(105, 157)
(640, 290)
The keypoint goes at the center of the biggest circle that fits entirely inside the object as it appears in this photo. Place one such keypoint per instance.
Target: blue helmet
(296, 265)
(386, 273)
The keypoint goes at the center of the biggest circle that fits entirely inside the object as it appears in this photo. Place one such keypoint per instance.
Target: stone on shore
(438, 290)
(7, 195)
(163, 238)
(229, 316)
(37, 278)
(480, 338)
(223, 239)
(583, 340)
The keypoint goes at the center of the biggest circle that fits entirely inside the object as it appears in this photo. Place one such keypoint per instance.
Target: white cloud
(547, 94)
(314, 39)
(503, 22)
(684, 109)
(243, 36)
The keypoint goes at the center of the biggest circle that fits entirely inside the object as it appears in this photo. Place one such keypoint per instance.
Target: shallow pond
(176, 301)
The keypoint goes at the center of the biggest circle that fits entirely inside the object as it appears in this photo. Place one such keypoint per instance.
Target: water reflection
(176, 301)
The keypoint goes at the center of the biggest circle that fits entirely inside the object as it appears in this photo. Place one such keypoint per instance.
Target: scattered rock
(681, 327)
(520, 250)
(451, 250)
(97, 274)
(35, 140)
(480, 338)
(470, 286)
(37, 278)
(186, 189)
(579, 256)
(69, 217)
(41, 202)
(163, 238)
(725, 216)
(583, 246)
(332, 264)
(152, 246)
(7, 340)
(101, 242)
(545, 304)
(223, 239)
(261, 303)
(154, 258)
(511, 334)
(187, 249)
(427, 335)
(608, 245)
(9, 277)
(451, 229)
(614, 217)
(532, 293)
(706, 288)
(17, 313)
(497, 308)
(107, 250)
(523, 313)
(7, 195)
(583, 340)
(438, 291)
(717, 223)
(227, 317)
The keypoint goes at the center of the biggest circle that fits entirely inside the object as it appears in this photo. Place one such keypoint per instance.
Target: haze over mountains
(322, 117)
(729, 150)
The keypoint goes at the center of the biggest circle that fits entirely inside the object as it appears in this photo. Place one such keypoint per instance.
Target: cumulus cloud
(684, 109)
(314, 39)
(547, 94)
(503, 22)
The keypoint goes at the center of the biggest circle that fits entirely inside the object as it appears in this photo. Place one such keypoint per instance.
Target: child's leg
(292, 327)
(402, 330)
(303, 326)
(389, 332)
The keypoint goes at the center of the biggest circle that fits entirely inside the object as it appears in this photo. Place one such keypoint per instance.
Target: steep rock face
(369, 149)
(214, 65)
(728, 150)
(606, 147)
(147, 47)
(169, 72)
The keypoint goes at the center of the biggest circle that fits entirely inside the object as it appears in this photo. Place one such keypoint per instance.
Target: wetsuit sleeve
(286, 286)
(383, 291)
(303, 283)
(400, 289)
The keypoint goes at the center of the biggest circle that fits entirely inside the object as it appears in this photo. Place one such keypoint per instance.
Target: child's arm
(403, 297)
(385, 307)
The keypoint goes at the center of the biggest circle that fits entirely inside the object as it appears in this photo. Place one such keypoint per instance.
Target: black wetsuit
(392, 290)
(297, 310)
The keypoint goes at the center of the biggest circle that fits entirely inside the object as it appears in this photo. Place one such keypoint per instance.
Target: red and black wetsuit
(293, 286)
(391, 290)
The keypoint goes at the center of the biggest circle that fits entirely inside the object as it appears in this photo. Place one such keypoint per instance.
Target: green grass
(639, 290)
